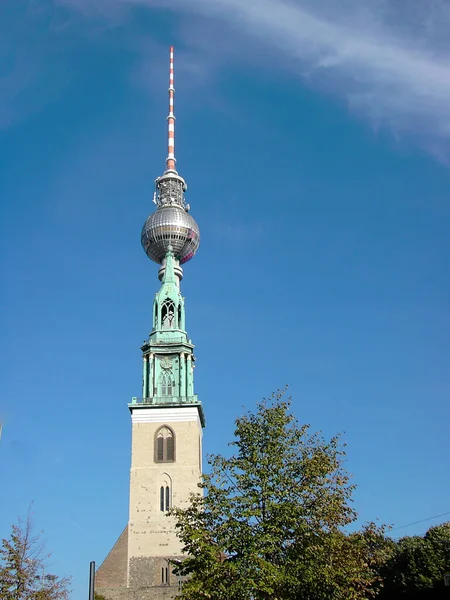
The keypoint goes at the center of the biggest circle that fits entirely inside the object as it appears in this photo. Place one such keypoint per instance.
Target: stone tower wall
(151, 531)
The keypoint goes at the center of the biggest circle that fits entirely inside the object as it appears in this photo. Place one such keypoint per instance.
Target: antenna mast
(170, 227)
(170, 161)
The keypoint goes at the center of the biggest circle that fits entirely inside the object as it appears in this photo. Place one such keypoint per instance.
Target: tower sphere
(170, 226)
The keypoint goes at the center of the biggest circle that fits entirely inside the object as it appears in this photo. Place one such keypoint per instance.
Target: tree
(417, 566)
(270, 521)
(23, 573)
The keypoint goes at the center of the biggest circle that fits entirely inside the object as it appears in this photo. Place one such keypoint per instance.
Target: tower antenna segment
(170, 161)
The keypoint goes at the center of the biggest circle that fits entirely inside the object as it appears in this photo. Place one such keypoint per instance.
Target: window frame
(164, 575)
(165, 445)
(168, 314)
(165, 500)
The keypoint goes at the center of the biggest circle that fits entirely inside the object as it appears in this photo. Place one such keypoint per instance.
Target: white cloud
(389, 60)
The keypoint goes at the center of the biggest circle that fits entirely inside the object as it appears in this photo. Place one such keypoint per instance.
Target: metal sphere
(170, 226)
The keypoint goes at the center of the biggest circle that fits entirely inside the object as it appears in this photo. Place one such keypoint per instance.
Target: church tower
(167, 421)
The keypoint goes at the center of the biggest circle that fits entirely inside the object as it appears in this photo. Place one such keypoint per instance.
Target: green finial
(168, 370)
(168, 309)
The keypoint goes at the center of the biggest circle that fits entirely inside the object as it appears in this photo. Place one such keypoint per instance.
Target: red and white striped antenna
(170, 161)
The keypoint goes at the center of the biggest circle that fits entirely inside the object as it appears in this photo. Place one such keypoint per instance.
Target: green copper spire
(168, 307)
(168, 354)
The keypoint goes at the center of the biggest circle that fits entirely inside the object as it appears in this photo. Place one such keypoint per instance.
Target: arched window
(165, 572)
(164, 575)
(180, 324)
(164, 445)
(164, 498)
(168, 315)
(165, 381)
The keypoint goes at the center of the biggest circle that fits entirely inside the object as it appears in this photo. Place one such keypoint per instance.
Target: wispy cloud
(389, 60)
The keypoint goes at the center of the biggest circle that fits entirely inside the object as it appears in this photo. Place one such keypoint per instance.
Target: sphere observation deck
(170, 225)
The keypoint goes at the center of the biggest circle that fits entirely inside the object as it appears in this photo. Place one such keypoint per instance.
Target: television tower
(171, 224)
(168, 420)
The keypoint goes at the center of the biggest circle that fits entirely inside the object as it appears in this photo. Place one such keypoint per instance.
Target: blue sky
(315, 143)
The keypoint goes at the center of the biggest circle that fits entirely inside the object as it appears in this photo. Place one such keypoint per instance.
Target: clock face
(166, 363)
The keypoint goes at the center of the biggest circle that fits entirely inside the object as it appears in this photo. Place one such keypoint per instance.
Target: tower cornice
(140, 404)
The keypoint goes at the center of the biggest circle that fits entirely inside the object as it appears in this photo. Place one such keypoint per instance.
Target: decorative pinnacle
(170, 161)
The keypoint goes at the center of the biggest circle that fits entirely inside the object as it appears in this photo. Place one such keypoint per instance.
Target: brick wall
(112, 573)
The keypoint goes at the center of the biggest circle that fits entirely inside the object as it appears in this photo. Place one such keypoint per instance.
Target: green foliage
(417, 566)
(270, 522)
(23, 574)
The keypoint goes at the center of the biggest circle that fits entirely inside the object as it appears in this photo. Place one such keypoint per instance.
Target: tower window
(168, 315)
(180, 324)
(164, 575)
(166, 384)
(164, 445)
(164, 498)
